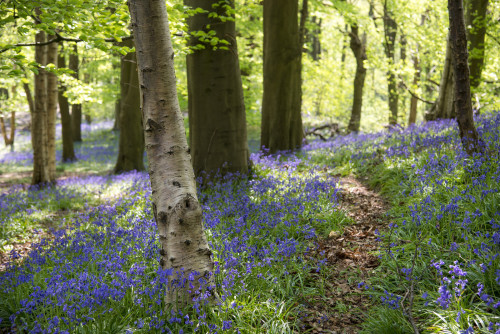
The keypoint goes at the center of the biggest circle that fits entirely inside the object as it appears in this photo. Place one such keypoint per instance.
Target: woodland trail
(350, 260)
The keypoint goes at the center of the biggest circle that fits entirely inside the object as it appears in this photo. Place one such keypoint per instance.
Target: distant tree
(68, 151)
(281, 126)
(76, 109)
(358, 47)
(131, 145)
(458, 44)
(177, 212)
(444, 107)
(390, 33)
(313, 38)
(217, 119)
(8, 137)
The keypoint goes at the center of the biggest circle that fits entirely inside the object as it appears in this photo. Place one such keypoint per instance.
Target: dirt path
(350, 259)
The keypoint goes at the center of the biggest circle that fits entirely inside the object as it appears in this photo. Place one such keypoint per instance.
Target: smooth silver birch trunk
(177, 211)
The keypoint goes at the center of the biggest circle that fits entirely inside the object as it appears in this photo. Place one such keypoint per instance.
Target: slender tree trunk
(176, 208)
(358, 47)
(475, 21)
(403, 43)
(51, 109)
(217, 119)
(458, 43)
(68, 151)
(390, 32)
(416, 78)
(131, 148)
(314, 39)
(76, 109)
(41, 173)
(8, 138)
(281, 114)
(444, 107)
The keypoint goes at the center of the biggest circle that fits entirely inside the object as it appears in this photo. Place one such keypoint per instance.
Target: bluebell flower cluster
(446, 207)
(100, 271)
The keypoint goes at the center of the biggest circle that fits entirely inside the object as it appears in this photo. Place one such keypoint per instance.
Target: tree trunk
(314, 39)
(68, 151)
(41, 173)
(217, 119)
(51, 109)
(463, 104)
(358, 47)
(178, 214)
(76, 109)
(8, 138)
(444, 106)
(416, 78)
(281, 127)
(475, 21)
(131, 148)
(390, 32)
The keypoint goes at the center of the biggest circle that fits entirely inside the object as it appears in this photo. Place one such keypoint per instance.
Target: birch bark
(184, 246)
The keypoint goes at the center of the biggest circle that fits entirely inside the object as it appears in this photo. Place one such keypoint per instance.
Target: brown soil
(351, 259)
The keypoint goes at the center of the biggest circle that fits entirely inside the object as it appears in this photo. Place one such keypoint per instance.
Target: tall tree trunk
(217, 119)
(51, 109)
(475, 21)
(131, 147)
(314, 39)
(76, 109)
(281, 127)
(358, 47)
(416, 78)
(68, 151)
(177, 211)
(458, 43)
(390, 32)
(8, 138)
(444, 107)
(41, 173)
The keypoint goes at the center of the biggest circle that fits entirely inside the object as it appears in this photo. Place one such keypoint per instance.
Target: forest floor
(350, 257)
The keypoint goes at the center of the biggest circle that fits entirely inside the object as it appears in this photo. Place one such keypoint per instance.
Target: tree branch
(413, 94)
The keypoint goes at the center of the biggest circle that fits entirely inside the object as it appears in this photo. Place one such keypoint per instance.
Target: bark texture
(281, 127)
(131, 147)
(217, 119)
(390, 32)
(76, 109)
(475, 21)
(68, 151)
(458, 43)
(177, 211)
(41, 173)
(358, 47)
(51, 109)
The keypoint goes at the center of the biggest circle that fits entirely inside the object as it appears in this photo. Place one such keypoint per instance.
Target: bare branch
(413, 94)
